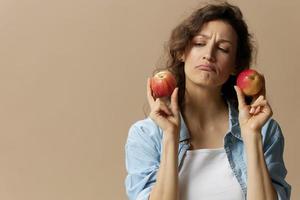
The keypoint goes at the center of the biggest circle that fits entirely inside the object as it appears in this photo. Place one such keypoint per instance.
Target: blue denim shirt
(144, 147)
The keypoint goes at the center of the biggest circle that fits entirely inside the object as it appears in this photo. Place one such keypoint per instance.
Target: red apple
(250, 82)
(162, 84)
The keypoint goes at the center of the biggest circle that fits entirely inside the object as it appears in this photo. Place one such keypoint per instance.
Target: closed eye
(223, 49)
(200, 44)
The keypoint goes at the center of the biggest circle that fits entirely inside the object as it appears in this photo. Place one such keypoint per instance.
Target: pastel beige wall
(72, 81)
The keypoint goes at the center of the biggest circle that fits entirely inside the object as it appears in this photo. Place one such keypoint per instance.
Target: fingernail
(257, 109)
(252, 110)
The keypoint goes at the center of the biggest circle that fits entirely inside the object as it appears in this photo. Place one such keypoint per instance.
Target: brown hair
(182, 35)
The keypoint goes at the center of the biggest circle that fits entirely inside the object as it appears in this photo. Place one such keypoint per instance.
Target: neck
(203, 105)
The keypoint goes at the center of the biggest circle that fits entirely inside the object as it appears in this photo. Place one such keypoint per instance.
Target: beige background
(72, 80)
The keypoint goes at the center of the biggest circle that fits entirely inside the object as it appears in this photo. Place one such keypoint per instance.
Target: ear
(182, 58)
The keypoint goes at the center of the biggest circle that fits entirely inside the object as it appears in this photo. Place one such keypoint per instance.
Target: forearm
(259, 183)
(166, 186)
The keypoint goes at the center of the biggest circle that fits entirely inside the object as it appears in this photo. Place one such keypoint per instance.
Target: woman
(208, 142)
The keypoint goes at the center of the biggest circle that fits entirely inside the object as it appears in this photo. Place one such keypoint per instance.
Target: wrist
(252, 139)
(254, 148)
(171, 136)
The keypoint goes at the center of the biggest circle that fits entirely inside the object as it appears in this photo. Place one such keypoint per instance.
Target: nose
(209, 53)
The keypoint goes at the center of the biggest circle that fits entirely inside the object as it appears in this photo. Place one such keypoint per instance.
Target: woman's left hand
(252, 117)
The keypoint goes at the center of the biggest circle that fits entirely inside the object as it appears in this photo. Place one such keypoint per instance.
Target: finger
(174, 101)
(240, 97)
(149, 93)
(259, 102)
(252, 110)
(162, 106)
(257, 110)
(256, 99)
(267, 113)
(164, 112)
(258, 107)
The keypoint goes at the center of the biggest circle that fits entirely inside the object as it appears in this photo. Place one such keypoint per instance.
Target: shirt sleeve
(273, 152)
(142, 161)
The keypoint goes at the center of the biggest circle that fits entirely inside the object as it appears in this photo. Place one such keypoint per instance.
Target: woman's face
(211, 56)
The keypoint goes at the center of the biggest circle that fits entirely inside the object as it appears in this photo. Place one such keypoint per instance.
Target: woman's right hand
(164, 113)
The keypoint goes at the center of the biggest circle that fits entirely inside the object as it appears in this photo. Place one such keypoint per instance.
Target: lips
(206, 67)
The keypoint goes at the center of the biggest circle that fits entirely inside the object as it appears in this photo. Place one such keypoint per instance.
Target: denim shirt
(143, 151)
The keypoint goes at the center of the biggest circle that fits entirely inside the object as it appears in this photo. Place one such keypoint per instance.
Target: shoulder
(144, 131)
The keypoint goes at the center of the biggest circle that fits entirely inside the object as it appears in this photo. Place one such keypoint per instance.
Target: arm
(259, 182)
(148, 170)
(166, 186)
(251, 119)
(167, 118)
(266, 170)
(144, 158)
(141, 159)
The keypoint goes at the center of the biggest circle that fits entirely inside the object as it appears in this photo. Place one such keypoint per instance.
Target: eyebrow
(206, 36)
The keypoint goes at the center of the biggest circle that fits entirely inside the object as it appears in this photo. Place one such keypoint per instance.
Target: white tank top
(206, 174)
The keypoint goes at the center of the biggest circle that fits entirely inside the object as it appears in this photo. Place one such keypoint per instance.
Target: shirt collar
(234, 127)
(184, 133)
